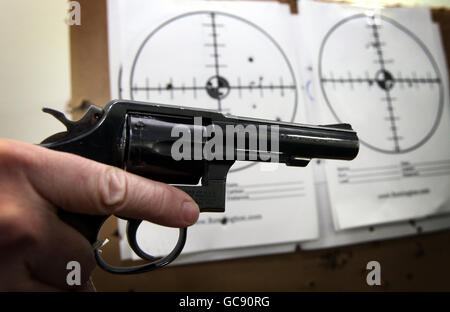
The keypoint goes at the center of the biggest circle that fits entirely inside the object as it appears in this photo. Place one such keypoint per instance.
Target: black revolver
(139, 137)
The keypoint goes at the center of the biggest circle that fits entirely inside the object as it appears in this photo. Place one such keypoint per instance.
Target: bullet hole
(250, 59)
(224, 221)
(330, 260)
(334, 259)
(420, 250)
(169, 86)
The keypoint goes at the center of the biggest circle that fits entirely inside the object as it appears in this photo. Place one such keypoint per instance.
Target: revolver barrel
(299, 143)
(174, 147)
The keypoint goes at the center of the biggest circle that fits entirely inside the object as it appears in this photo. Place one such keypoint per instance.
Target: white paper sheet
(173, 53)
(328, 236)
(385, 75)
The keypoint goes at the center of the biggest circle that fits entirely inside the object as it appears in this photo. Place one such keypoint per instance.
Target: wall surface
(34, 67)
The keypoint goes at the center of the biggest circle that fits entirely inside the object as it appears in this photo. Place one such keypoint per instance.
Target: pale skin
(35, 245)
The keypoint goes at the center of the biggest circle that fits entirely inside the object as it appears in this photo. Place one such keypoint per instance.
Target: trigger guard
(155, 263)
(132, 227)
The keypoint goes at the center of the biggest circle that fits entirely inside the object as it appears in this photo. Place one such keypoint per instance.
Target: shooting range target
(388, 86)
(216, 61)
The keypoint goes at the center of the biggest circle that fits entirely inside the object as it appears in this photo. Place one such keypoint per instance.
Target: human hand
(35, 245)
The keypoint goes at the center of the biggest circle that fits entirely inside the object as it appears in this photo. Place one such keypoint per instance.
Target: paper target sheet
(237, 58)
(382, 72)
(328, 235)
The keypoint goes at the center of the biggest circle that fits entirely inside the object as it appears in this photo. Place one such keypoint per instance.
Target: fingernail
(190, 212)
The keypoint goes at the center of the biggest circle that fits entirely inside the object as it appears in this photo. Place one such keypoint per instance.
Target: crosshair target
(217, 87)
(394, 100)
(216, 61)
